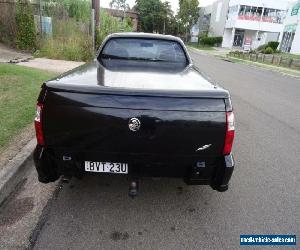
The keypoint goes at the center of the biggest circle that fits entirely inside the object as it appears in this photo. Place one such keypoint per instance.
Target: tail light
(38, 124)
(229, 133)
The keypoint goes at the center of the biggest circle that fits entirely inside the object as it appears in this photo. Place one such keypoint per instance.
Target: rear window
(144, 50)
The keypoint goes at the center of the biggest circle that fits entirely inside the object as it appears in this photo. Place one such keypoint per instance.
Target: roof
(120, 13)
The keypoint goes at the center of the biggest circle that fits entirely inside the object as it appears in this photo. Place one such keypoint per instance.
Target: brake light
(229, 133)
(38, 124)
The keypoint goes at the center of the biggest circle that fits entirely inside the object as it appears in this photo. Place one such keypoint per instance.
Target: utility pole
(97, 10)
(95, 19)
(41, 19)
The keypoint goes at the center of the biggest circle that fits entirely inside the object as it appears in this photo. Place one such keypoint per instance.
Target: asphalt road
(263, 198)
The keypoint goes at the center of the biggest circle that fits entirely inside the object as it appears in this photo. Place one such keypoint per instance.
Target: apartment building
(250, 24)
(211, 20)
(290, 36)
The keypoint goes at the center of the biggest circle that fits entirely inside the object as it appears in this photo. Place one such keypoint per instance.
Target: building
(290, 36)
(133, 15)
(218, 17)
(250, 24)
(203, 23)
(211, 20)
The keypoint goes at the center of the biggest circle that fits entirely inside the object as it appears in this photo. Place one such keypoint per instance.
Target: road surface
(263, 198)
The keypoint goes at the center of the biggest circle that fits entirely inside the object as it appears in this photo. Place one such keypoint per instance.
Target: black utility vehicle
(141, 108)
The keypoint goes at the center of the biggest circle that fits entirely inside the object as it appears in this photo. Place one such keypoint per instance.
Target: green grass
(201, 47)
(68, 42)
(289, 55)
(19, 89)
(283, 70)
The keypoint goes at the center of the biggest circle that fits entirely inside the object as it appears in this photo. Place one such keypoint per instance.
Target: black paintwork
(86, 114)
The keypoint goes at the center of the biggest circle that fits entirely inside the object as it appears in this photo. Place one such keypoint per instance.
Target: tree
(110, 24)
(119, 5)
(188, 13)
(156, 16)
(26, 36)
(149, 11)
(166, 15)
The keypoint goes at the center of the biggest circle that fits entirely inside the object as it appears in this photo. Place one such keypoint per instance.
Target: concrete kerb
(14, 171)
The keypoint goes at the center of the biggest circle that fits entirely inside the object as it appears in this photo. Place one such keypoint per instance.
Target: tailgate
(100, 122)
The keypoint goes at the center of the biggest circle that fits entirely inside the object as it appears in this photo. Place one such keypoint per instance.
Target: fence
(277, 60)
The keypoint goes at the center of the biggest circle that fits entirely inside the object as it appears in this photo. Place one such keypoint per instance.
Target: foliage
(119, 5)
(268, 50)
(261, 47)
(19, 87)
(156, 16)
(211, 41)
(110, 24)
(68, 42)
(200, 47)
(26, 36)
(188, 13)
(80, 10)
(273, 44)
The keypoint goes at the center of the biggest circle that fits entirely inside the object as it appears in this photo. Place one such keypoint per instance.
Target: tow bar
(133, 188)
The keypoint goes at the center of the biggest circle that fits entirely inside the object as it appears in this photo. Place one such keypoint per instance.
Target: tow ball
(133, 188)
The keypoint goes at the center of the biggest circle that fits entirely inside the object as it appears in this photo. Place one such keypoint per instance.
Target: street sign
(247, 43)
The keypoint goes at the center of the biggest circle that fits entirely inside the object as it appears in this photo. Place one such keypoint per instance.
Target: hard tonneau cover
(94, 78)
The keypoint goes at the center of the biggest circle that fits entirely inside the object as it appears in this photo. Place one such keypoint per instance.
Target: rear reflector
(38, 124)
(229, 133)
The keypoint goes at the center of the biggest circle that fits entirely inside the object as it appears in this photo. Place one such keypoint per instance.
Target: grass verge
(282, 70)
(201, 47)
(19, 89)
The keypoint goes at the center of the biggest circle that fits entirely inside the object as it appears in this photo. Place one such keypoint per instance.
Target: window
(242, 10)
(144, 52)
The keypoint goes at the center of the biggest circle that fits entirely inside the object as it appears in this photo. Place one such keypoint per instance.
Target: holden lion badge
(134, 124)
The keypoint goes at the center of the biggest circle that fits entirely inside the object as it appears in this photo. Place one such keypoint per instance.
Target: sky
(174, 3)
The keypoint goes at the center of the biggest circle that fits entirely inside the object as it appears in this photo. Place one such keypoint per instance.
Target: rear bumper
(195, 170)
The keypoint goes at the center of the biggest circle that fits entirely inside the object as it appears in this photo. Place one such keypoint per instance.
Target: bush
(261, 47)
(268, 50)
(69, 42)
(274, 45)
(26, 36)
(211, 41)
(110, 24)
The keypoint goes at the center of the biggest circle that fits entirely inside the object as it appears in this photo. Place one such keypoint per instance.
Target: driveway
(8, 54)
(25, 59)
(58, 66)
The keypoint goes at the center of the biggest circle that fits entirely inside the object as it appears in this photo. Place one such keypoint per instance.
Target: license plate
(106, 167)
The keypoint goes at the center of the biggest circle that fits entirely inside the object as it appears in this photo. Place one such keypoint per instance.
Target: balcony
(255, 18)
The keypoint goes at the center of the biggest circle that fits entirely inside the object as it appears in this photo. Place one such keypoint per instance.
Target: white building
(290, 37)
(253, 23)
(211, 20)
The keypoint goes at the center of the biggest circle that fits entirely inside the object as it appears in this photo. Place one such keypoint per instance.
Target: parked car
(141, 108)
